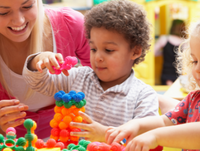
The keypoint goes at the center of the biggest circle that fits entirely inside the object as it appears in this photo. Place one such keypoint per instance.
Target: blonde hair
(36, 43)
(184, 59)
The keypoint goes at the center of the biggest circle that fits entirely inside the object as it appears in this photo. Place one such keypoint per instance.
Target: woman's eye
(27, 7)
(108, 50)
(3, 14)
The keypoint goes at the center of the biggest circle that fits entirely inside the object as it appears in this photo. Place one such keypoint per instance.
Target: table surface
(175, 91)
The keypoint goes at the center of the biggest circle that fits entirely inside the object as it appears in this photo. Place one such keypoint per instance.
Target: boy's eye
(109, 50)
(94, 50)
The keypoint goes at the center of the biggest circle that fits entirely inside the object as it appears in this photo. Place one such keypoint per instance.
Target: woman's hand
(11, 113)
(93, 131)
(46, 59)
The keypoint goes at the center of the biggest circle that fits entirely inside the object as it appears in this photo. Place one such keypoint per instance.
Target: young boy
(119, 36)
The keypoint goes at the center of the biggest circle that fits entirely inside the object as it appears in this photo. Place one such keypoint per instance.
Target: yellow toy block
(49, 149)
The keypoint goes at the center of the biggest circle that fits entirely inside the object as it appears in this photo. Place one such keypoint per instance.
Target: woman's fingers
(11, 113)
(12, 109)
(4, 103)
(13, 116)
(12, 124)
(24, 105)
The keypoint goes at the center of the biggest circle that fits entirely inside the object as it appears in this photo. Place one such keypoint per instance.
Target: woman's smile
(19, 30)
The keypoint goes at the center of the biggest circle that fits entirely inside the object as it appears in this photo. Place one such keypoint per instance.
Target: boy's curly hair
(124, 17)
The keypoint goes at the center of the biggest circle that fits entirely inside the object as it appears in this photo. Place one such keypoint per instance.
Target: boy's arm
(45, 60)
(44, 82)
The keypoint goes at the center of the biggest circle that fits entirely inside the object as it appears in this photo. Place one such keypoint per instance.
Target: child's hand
(65, 72)
(128, 130)
(46, 59)
(143, 142)
(93, 131)
(11, 114)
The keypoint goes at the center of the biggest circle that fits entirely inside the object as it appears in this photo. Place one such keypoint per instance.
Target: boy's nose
(98, 56)
(18, 19)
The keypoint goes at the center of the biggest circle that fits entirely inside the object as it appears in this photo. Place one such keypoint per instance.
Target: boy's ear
(137, 51)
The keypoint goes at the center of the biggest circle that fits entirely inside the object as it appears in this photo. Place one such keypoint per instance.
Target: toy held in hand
(67, 65)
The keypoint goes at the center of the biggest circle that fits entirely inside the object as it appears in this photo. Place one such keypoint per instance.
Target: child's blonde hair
(36, 41)
(184, 59)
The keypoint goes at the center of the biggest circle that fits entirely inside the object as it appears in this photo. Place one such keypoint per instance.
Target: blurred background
(169, 19)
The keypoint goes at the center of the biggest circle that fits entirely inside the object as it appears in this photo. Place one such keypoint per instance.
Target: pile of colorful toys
(66, 110)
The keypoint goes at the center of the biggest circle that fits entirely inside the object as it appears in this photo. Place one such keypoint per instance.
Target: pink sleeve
(75, 21)
(178, 115)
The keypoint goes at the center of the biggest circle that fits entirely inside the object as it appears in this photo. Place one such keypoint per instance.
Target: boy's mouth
(100, 68)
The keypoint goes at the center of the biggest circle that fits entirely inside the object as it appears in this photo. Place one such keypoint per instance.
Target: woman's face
(17, 18)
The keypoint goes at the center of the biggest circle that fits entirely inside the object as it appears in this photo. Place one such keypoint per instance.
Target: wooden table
(175, 91)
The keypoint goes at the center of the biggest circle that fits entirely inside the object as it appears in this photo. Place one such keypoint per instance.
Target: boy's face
(195, 53)
(110, 56)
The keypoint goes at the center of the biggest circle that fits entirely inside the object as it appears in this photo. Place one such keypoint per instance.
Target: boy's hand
(128, 131)
(65, 72)
(46, 59)
(93, 131)
(143, 142)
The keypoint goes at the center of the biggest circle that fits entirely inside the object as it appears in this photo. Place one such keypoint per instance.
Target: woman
(169, 44)
(25, 28)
